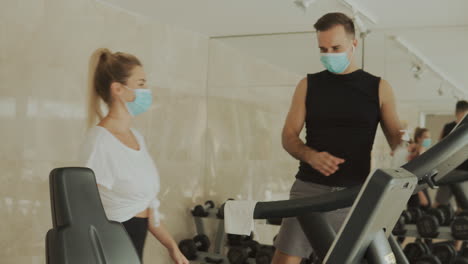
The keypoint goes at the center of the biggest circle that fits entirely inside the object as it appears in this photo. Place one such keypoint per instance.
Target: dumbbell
(214, 260)
(409, 216)
(238, 240)
(220, 213)
(460, 260)
(448, 213)
(313, 259)
(460, 226)
(428, 259)
(444, 251)
(412, 215)
(202, 210)
(274, 221)
(265, 254)
(462, 257)
(190, 247)
(416, 250)
(399, 229)
(428, 225)
(240, 254)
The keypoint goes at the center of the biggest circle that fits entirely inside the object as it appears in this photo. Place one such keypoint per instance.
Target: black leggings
(137, 228)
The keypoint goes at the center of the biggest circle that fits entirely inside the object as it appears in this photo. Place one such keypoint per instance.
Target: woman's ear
(116, 89)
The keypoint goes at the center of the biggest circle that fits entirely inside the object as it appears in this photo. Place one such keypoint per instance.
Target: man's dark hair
(334, 19)
(461, 107)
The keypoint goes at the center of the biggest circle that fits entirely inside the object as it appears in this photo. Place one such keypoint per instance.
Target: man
(341, 108)
(443, 193)
(461, 108)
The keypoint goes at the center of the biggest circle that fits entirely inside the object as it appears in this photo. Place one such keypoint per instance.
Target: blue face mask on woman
(142, 102)
(336, 62)
(427, 142)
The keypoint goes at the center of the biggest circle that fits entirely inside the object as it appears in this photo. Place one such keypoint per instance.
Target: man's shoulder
(320, 73)
(448, 128)
(450, 125)
(313, 77)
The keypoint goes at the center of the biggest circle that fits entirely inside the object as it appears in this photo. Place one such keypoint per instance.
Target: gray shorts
(444, 193)
(291, 240)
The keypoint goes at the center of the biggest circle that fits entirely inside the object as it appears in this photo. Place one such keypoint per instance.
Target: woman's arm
(423, 199)
(161, 234)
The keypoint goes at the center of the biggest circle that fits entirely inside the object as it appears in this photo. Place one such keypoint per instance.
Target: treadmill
(366, 235)
(81, 232)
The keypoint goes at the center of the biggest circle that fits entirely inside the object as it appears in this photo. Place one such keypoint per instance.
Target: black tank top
(447, 129)
(342, 114)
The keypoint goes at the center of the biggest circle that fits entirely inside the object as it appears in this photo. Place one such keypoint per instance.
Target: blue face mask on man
(142, 102)
(336, 62)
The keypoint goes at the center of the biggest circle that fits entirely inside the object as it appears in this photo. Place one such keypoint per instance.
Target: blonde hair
(105, 68)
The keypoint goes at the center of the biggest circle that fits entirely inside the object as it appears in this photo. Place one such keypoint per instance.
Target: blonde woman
(126, 175)
(422, 141)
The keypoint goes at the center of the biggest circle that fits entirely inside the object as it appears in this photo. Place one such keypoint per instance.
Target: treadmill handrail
(321, 203)
(443, 157)
(440, 156)
(454, 178)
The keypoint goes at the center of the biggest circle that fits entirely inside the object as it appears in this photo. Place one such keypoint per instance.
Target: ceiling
(437, 28)
(225, 18)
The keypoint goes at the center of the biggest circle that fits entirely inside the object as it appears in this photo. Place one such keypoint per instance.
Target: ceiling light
(359, 9)
(417, 71)
(304, 4)
(360, 25)
(440, 92)
(429, 65)
(416, 68)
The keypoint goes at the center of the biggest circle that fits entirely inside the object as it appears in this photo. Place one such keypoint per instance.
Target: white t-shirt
(128, 178)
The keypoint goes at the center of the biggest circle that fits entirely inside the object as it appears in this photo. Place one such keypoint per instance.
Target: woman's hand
(177, 256)
(161, 234)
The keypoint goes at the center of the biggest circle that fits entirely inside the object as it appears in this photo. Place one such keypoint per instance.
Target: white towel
(238, 217)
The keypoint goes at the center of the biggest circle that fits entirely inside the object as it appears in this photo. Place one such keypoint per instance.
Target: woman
(127, 178)
(422, 141)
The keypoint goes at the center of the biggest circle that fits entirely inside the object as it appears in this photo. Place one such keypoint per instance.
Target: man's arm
(390, 123)
(321, 161)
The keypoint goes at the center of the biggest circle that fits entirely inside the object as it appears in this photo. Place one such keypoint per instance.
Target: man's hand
(324, 162)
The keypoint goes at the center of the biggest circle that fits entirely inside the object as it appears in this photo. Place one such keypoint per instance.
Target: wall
(247, 103)
(298, 53)
(436, 122)
(44, 51)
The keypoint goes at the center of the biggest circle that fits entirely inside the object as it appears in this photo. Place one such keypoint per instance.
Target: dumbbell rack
(440, 252)
(219, 239)
(220, 234)
(444, 232)
(216, 255)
